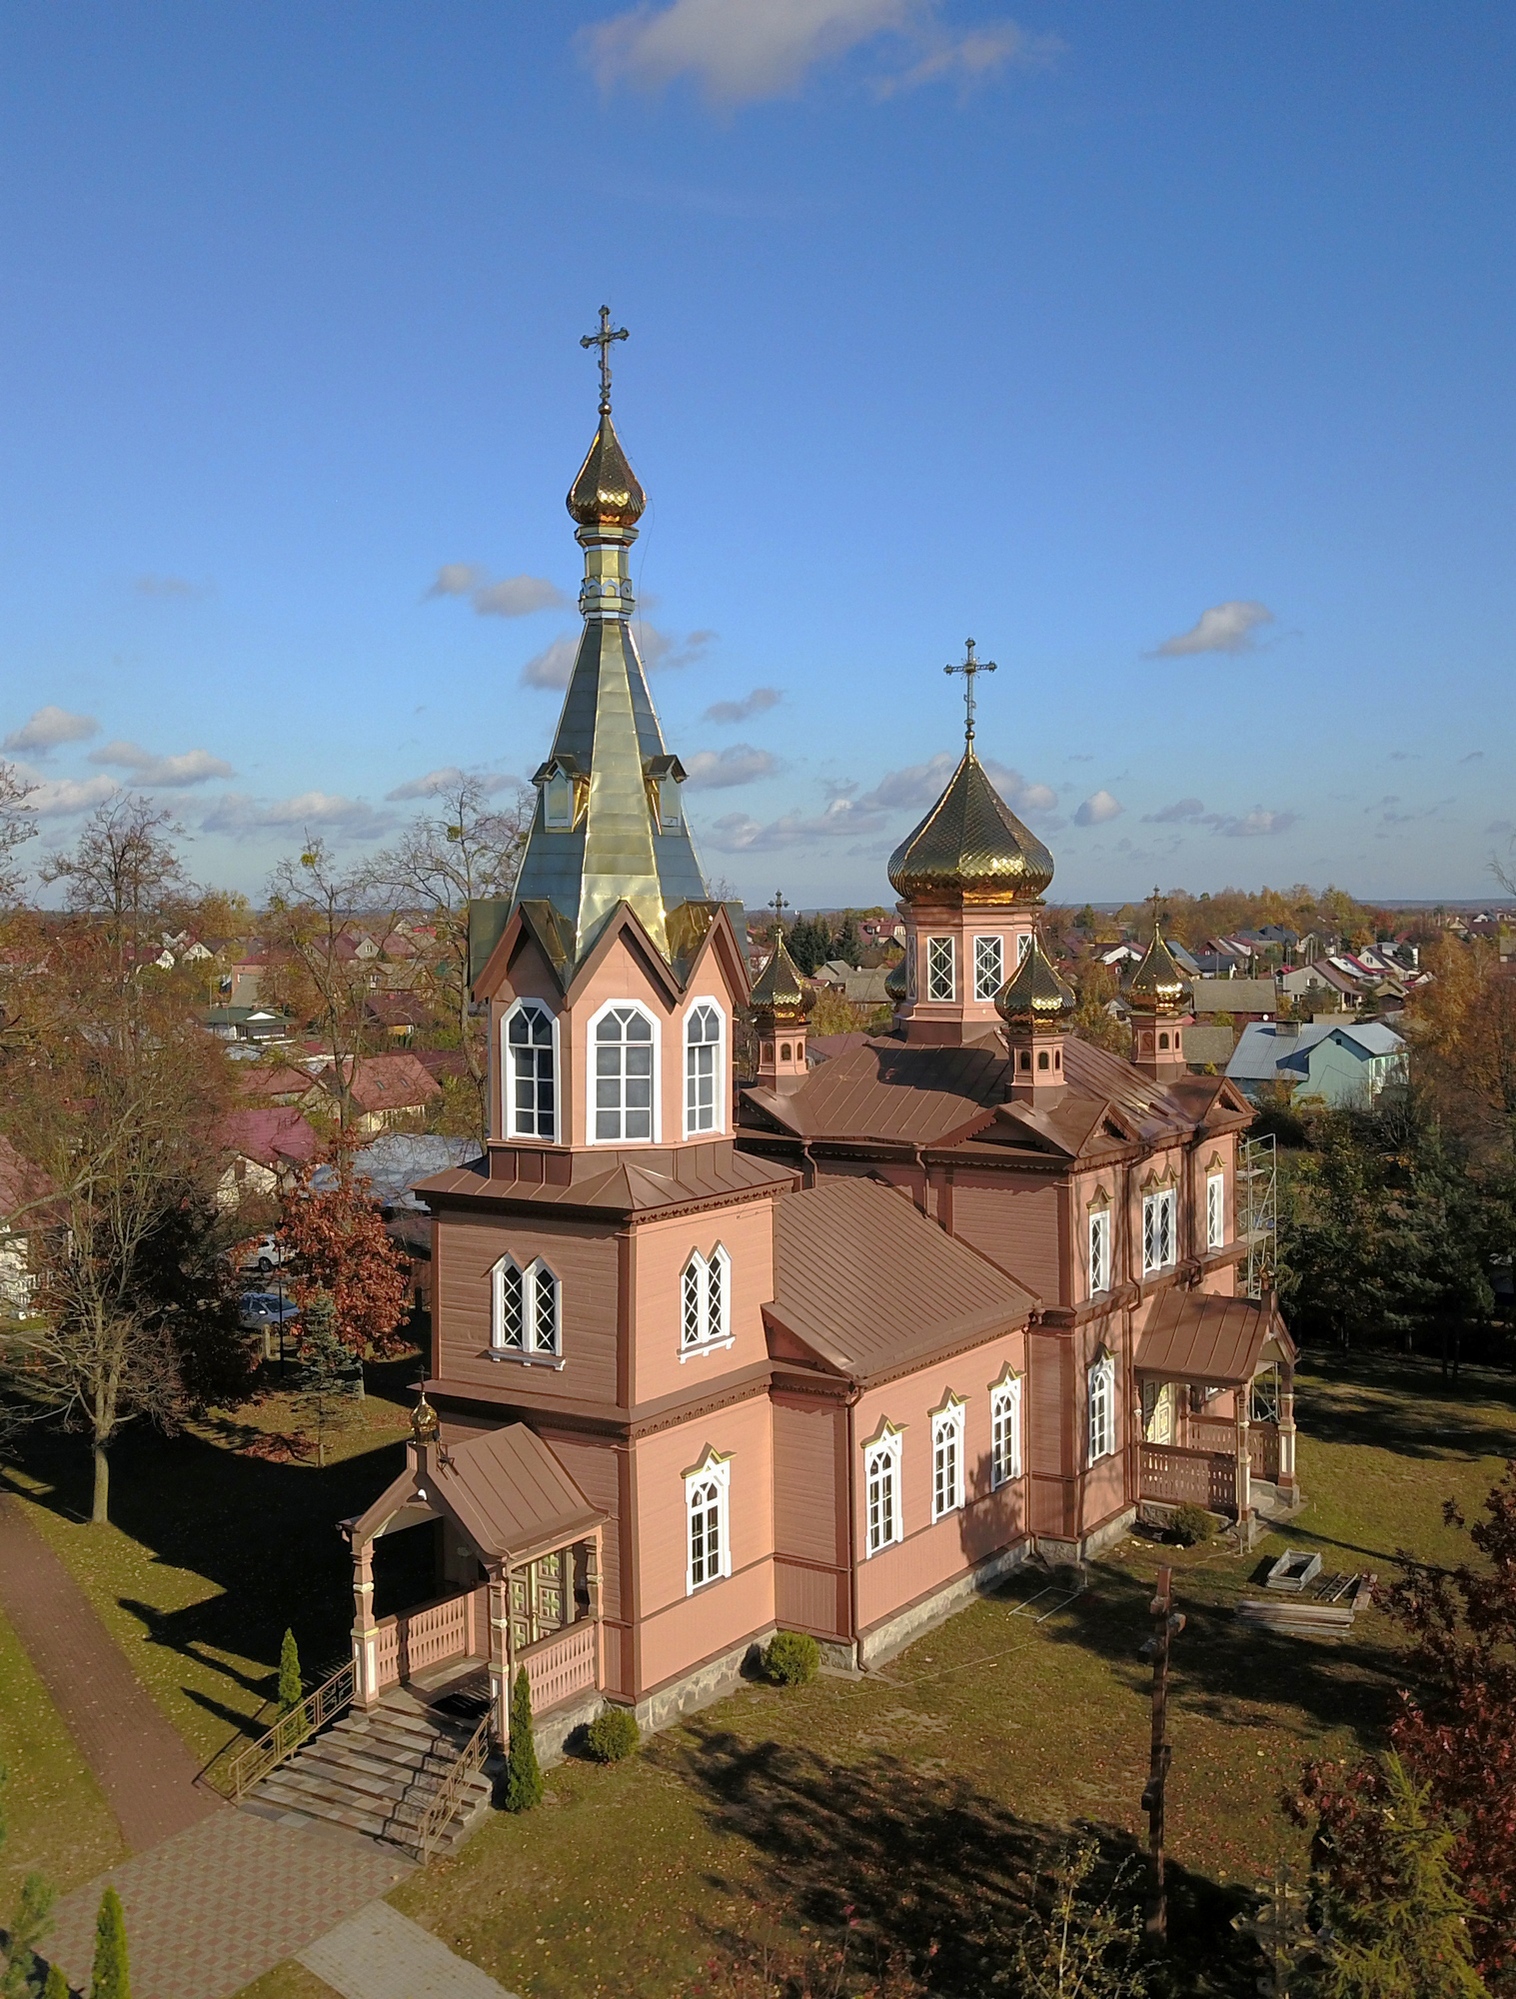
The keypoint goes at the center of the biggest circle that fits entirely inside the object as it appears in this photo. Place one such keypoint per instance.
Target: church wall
(811, 1589)
(677, 1630)
(583, 1256)
(660, 1364)
(1018, 1224)
(1165, 1167)
(601, 1468)
(1050, 1442)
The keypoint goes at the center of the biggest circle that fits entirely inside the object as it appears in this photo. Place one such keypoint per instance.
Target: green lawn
(57, 1820)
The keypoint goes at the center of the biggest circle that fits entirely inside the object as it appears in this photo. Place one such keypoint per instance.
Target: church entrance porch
(1216, 1382)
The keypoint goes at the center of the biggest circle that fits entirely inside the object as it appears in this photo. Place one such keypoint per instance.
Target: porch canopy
(505, 1491)
(1212, 1342)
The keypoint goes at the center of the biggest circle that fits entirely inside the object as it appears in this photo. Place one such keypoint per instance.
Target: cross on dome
(968, 667)
(779, 906)
(603, 340)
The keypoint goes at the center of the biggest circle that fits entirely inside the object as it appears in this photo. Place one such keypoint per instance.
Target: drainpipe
(852, 1522)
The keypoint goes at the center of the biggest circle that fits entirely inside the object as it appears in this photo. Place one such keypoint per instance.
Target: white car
(264, 1255)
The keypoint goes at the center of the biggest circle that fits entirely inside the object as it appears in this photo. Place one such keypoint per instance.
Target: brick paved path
(380, 1954)
(217, 1906)
(146, 1772)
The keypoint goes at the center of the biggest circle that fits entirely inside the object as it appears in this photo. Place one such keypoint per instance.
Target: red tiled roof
(389, 1083)
(22, 1185)
(269, 1136)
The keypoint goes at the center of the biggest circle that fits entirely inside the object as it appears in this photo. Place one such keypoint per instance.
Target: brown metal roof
(1194, 1336)
(621, 1183)
(868, 1283)
(505, 1490)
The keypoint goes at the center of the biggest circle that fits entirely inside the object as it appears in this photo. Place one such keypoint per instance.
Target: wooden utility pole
(1167, 1624)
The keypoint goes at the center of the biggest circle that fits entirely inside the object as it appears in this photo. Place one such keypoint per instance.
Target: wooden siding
(814, 1600)
(1017, 1226)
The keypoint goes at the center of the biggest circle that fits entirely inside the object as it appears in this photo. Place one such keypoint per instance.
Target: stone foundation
(895, 1633)
(1069, 1554)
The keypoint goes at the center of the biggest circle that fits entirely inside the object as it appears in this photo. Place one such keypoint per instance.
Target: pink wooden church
(829, 1347)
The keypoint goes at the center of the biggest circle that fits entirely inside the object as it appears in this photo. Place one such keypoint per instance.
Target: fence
(1204, 1478)
(428, 1636)
(567, 1663)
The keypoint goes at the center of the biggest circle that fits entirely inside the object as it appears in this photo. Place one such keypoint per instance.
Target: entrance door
(1158, 1412)
(538, 1594)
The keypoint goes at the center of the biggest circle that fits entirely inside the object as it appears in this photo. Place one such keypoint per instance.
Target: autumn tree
(124, 874)
(1462, 1025)
(342, 1255)
(1095, 986)
(18, 823)
(466, 850)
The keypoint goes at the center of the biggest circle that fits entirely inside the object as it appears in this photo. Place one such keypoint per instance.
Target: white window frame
(947, 1459)
(1215, 1210)
(707, 1489)
(1098, 1266)
(1005, 1431)
(883, 1524)
(981, 991)
(591, 1076)
(508, 1070)
(1023, 945)
(705, 1301)
(540, 1344)
(934, 967)
(718, 1108)
(1160, 1236)
(1101, 1397)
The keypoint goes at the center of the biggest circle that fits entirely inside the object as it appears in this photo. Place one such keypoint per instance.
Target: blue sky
(1164, 349)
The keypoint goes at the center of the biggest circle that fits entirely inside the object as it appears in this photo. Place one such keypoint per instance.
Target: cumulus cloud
(1184, 811)
(48, 728)
(157, 772)
(740, 833)
(740, 763)
(917, 786)
(510, 597)
(1097, 809)
(169, 586)
(757, 703)
(552, 666)
(446, 779)
(236, 812)
(1257, 824)
(660, 654)
(1225, 627)
(60, 797)
(740, 51)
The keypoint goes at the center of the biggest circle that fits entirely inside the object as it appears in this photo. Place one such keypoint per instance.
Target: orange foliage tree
(336, 1238)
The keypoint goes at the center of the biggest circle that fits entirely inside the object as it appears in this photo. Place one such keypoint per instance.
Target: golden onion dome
(779, 988)
(1035, 996)
(971, 847)
(894, 979)
(1158, 986)
(606, 492)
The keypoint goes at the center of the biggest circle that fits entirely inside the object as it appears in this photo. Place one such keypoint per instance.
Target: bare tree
(17, 825)
(468, 850)
(125, 871)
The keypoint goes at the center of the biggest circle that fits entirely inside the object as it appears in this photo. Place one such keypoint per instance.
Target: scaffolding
(1258, 1204)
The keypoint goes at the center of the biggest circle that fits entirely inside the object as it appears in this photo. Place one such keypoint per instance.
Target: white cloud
(447, 778)
(719, 770)
(739, 51)
(1185, 811)
(552, 666)
(1225, 627)
(48, 728)
(739, 833)
(59, 797)
(1097, 809)
(169, 773)
(236, 812)
(455, 579)
(511, 597)
(920, 785)
(757, 703)
(1252, 825)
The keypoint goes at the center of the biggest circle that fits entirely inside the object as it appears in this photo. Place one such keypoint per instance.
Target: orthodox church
(826, 1347)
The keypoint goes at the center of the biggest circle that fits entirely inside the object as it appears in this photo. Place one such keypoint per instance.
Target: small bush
(1190, 1525)
(791, 1658)
(612, 1735)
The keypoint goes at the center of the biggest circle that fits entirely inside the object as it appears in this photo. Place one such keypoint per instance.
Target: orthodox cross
(968, 668)
(1156, 899)
(779, 906)
(603, 340)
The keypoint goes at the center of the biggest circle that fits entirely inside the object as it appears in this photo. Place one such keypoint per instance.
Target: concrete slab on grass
(380, 1954)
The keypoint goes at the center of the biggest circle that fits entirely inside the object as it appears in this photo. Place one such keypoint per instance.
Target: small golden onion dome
(1158, 986)
(971, 847)
(424, 1424)
(894, 979)
(779, 988)
(1035, 996)
(606, 492)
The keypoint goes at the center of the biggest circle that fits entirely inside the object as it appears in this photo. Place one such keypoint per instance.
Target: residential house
(1344, 1066)
(263, 1148)
(1243, 999)
(1321, 984)
(386, 1091)
(25, 1209)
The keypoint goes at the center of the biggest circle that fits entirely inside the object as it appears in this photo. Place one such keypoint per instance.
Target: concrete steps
(378, 1773)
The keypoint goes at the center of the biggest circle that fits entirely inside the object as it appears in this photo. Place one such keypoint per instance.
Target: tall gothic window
(881, 1473)
(624, 1048)
(702, 1070)
(531, 1090)
(1100, 1251)
(706, 1493)
(947, 1460)
(989, 966)
(525, 1309)
(705, 1300)
(1160, 1242)
(1215, 1210)
(1005, 1430)
(1102, 1391)
(939, 968)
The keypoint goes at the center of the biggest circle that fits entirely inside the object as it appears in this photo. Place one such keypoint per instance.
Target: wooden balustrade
(1204, 1478)
(566, 1663)
(427, 1636)
(1263, 1450)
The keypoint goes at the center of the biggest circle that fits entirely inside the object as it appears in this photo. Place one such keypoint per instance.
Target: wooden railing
(440, 1813)
(562, 1665)
(1213, 1433)
(1204, 1478)
(415, 1639)
(331, 1698)
(1263, 1450)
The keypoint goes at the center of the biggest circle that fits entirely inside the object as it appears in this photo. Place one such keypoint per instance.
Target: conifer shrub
(791, 1658)
(1191, 1525)
(57, 1985)
(523, 1773)
(291, 1685)
(612, 1735)
(110, 1978)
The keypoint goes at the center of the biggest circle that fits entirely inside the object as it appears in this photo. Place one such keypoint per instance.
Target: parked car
(266, 1311)
(263, 1254)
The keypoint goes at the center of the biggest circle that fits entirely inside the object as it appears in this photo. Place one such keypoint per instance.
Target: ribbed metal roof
(971, 844)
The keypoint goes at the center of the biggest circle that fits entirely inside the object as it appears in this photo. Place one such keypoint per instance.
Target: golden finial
(424, 1424)
(968, 667)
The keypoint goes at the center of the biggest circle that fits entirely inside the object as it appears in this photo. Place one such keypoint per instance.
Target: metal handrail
(329, 1700)
(439, 1813)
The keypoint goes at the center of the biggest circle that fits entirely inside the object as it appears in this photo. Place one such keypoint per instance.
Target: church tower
(971, 879)
(1035, 1005)
(1156, 1000)
(781, 1001)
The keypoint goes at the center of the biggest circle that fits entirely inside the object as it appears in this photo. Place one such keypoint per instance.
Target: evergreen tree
(328, 1364)
(110, 1978)
(29, 1923)
(1404, 1935)
(847, 944)
(291, 1685)
(523, 1775)
(810, 945)
(57, 1985)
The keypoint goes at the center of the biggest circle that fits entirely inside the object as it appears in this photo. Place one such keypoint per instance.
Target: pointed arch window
(525, 1310)
(1100, 1251)
(1102, 1412)
(624, 1058)
(947, 1458)
(1005, 1429)
(1160, 1230)
(707, 1495)
(531, 1071)
(1215, 1210)
(705, 1302)
(881, 1477)
(704, 1049)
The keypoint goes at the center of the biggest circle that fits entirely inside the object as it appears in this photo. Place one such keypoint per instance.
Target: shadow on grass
(1400, 1403)
(924, 1865)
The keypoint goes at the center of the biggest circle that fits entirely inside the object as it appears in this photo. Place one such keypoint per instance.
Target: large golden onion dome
(780, 990)
(971, 847)
(606, 492)
(1035, 996)
(1158, 986)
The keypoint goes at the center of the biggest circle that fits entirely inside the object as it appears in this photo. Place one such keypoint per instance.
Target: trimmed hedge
(612, 1735)
(791, 1658)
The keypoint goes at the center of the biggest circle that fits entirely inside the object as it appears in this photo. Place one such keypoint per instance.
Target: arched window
(707, 1490)
(705, 1302)
(947, 1459)
(531, 1072)
(702, 1069)
(881, 1475)
(1102, 1389)
(1005, 1430)
(525, 1309)
(624, 1044)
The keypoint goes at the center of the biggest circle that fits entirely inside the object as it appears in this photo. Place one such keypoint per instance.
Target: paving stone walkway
(146, 1772)
(380, 1954)
(215, 1907)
